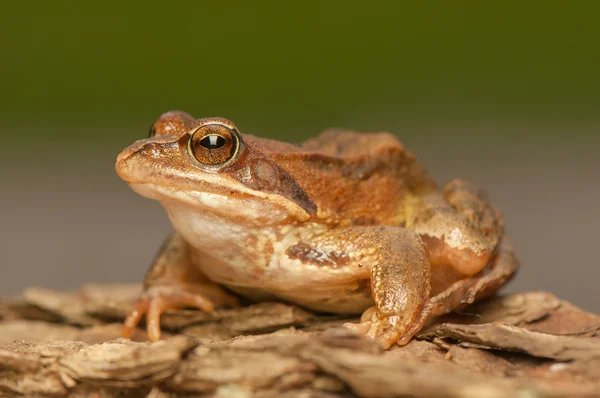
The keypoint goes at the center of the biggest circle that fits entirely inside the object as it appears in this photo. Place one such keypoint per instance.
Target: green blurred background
(504, 93)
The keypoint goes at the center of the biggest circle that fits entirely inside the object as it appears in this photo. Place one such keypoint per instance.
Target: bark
(67, 344)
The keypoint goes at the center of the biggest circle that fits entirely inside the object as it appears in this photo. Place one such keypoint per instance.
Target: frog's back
(360, 178)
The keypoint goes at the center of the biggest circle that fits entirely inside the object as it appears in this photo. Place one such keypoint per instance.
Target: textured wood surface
(67, 344)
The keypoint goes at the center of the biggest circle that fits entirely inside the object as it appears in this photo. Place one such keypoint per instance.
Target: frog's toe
(361, 328)
(154, 302)
(132, 320)
(384, 331)
(183, 299)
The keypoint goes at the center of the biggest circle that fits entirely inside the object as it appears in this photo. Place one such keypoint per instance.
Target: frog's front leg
(173, 281)
(400, 280)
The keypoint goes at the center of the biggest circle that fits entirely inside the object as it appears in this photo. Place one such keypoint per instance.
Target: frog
(346, 223)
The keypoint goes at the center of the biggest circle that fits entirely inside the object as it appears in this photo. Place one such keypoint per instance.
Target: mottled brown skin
(345, 223)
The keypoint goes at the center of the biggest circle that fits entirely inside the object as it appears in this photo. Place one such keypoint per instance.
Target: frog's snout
(130, 162)
(123, 164)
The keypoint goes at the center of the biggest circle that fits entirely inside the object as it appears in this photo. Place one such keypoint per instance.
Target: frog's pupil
(212, 141)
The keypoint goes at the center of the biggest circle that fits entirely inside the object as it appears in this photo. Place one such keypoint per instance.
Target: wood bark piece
(126, 364)
(516, 309)
(510, 338)
(61, 344)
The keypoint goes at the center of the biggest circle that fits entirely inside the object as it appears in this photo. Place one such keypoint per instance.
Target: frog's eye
(214, 144)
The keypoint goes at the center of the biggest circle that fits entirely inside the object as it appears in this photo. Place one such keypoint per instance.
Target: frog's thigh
(461, 230)
(400, 281)
(455, 247)
(497, 273)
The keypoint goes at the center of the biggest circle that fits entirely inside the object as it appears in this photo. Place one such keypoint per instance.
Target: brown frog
(344, 223)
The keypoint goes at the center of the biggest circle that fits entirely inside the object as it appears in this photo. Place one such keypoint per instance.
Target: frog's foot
(385, 330)
(155, 300)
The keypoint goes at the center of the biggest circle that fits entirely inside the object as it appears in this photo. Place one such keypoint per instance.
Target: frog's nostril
(128, 154)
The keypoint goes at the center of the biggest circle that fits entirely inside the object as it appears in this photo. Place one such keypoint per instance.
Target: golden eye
(214, 144)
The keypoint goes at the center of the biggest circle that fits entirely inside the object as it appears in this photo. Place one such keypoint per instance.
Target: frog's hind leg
(461, 229)
(471, 202)
(499, 271)
(173, 281)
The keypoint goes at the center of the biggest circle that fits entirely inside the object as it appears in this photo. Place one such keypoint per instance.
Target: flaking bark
(67, 344)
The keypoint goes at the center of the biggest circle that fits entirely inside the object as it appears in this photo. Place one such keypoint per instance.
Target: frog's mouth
(200, 198)
(233, 205)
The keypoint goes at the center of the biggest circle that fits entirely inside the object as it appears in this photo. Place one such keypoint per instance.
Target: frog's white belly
(253, 262)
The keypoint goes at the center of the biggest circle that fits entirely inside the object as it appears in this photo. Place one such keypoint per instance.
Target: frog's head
(208, 166)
